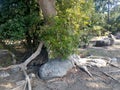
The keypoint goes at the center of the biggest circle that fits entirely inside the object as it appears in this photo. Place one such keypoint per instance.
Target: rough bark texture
(47, 7)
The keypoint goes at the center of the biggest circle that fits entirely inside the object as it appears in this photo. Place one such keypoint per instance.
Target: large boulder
(55, 68)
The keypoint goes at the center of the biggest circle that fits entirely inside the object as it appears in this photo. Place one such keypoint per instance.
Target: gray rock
(55, 68)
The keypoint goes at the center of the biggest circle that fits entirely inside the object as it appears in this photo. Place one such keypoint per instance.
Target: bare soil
(77, 79)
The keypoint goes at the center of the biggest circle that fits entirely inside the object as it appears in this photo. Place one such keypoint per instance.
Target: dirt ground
(106, 78)
(81, 81)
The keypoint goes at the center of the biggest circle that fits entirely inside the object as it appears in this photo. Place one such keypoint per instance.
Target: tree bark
(47, 7)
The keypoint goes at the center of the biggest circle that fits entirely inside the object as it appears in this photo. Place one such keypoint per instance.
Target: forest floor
(77, 79)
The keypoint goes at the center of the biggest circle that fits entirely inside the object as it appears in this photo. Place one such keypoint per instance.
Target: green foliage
(18, 17)
(58, 38)
(114, 23)
(110, 14)
(67, 29)
(12, 29)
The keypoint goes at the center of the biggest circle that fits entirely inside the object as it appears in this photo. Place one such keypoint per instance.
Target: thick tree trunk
(47, 7)
(48, 10)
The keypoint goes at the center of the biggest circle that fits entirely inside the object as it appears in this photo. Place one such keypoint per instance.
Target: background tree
(108, 10)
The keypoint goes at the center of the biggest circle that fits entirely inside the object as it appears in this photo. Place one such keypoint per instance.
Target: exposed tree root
(110, 76)
(23, 66)
(79, 62)
(114, 65)
(86, 70)
(113, 71)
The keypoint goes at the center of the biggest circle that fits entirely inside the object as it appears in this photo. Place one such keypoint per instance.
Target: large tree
(59, 25)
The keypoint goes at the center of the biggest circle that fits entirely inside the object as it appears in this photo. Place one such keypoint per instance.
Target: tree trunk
(48, 10)
(47, 7)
